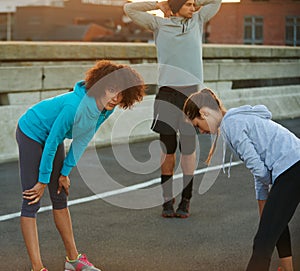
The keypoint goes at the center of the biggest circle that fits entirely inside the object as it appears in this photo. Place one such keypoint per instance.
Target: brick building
(85, 20)
(266, 22)
(262, 22)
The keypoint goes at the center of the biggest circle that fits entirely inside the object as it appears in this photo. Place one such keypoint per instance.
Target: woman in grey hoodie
(272, 153)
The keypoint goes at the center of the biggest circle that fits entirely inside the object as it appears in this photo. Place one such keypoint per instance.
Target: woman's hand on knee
(63, 183)
(35, 193)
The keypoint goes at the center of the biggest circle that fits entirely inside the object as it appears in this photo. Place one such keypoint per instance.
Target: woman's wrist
(42, 184)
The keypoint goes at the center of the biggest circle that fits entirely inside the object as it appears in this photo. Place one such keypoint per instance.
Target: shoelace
(223, 160)
(84, 260)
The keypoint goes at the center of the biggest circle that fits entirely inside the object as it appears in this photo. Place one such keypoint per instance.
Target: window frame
(295, 26)
(255, 22)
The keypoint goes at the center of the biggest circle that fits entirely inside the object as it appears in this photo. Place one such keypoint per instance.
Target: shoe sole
(182, 216)
(168, 216)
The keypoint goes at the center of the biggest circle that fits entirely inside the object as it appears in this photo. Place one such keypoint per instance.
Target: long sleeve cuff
(44, 178)
(262, 188)
(65, 171)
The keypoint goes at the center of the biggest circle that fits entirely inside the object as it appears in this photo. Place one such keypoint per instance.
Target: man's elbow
(126, 7)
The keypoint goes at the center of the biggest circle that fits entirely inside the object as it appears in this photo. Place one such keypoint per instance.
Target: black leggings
(187, 143)
(30, 153)
(279, 209)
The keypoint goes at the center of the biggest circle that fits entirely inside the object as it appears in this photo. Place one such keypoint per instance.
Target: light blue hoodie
(72, 115)
(267, 148)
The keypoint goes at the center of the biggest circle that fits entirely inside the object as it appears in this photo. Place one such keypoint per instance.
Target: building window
(253, 30)
(292, 30)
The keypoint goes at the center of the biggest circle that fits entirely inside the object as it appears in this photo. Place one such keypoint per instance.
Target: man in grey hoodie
(178, 39)
(272, 153)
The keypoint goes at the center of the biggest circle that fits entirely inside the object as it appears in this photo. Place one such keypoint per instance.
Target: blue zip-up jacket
(73, 115)
(267, 148)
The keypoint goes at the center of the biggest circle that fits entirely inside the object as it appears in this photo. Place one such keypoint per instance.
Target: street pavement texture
(122, 230)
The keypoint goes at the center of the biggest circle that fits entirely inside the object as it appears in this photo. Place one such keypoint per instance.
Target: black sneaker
(183, 209)
(168, 209)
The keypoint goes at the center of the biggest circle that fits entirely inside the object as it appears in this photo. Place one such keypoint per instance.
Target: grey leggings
(30, 153)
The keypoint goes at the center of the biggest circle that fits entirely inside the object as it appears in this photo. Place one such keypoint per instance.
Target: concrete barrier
(30, 72)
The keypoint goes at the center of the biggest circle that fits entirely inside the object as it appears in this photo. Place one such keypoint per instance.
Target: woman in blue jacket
(40, 134)
(272, 153)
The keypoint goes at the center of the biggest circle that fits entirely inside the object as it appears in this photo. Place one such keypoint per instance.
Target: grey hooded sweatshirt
(178, 41)
(267, 148)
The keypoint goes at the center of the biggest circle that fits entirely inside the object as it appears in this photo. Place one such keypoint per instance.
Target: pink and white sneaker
(80, 264)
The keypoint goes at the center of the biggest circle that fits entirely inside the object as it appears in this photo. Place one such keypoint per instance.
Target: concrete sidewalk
(217, 236)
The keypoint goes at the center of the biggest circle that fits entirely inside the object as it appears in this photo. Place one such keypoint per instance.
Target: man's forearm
(206, 2)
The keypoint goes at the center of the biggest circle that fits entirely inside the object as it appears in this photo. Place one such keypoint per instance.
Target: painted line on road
(120, 191)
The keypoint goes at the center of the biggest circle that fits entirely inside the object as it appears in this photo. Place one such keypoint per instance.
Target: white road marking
(120, 191)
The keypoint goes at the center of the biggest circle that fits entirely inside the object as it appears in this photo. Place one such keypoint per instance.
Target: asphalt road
(123, 230)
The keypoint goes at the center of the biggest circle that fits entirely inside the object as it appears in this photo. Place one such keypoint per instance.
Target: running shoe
(183, 209)
(168, 209)
(80, 264)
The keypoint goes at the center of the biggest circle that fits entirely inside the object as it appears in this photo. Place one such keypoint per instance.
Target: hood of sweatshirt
(87, 103)
(258, 110)
(79, 89)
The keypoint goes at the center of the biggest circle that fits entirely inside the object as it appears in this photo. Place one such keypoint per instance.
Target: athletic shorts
(168, 118)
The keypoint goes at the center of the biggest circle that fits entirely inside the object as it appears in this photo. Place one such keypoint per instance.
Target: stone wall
(32, 71)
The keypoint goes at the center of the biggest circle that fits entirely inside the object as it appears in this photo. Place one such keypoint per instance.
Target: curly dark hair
(107, 75)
